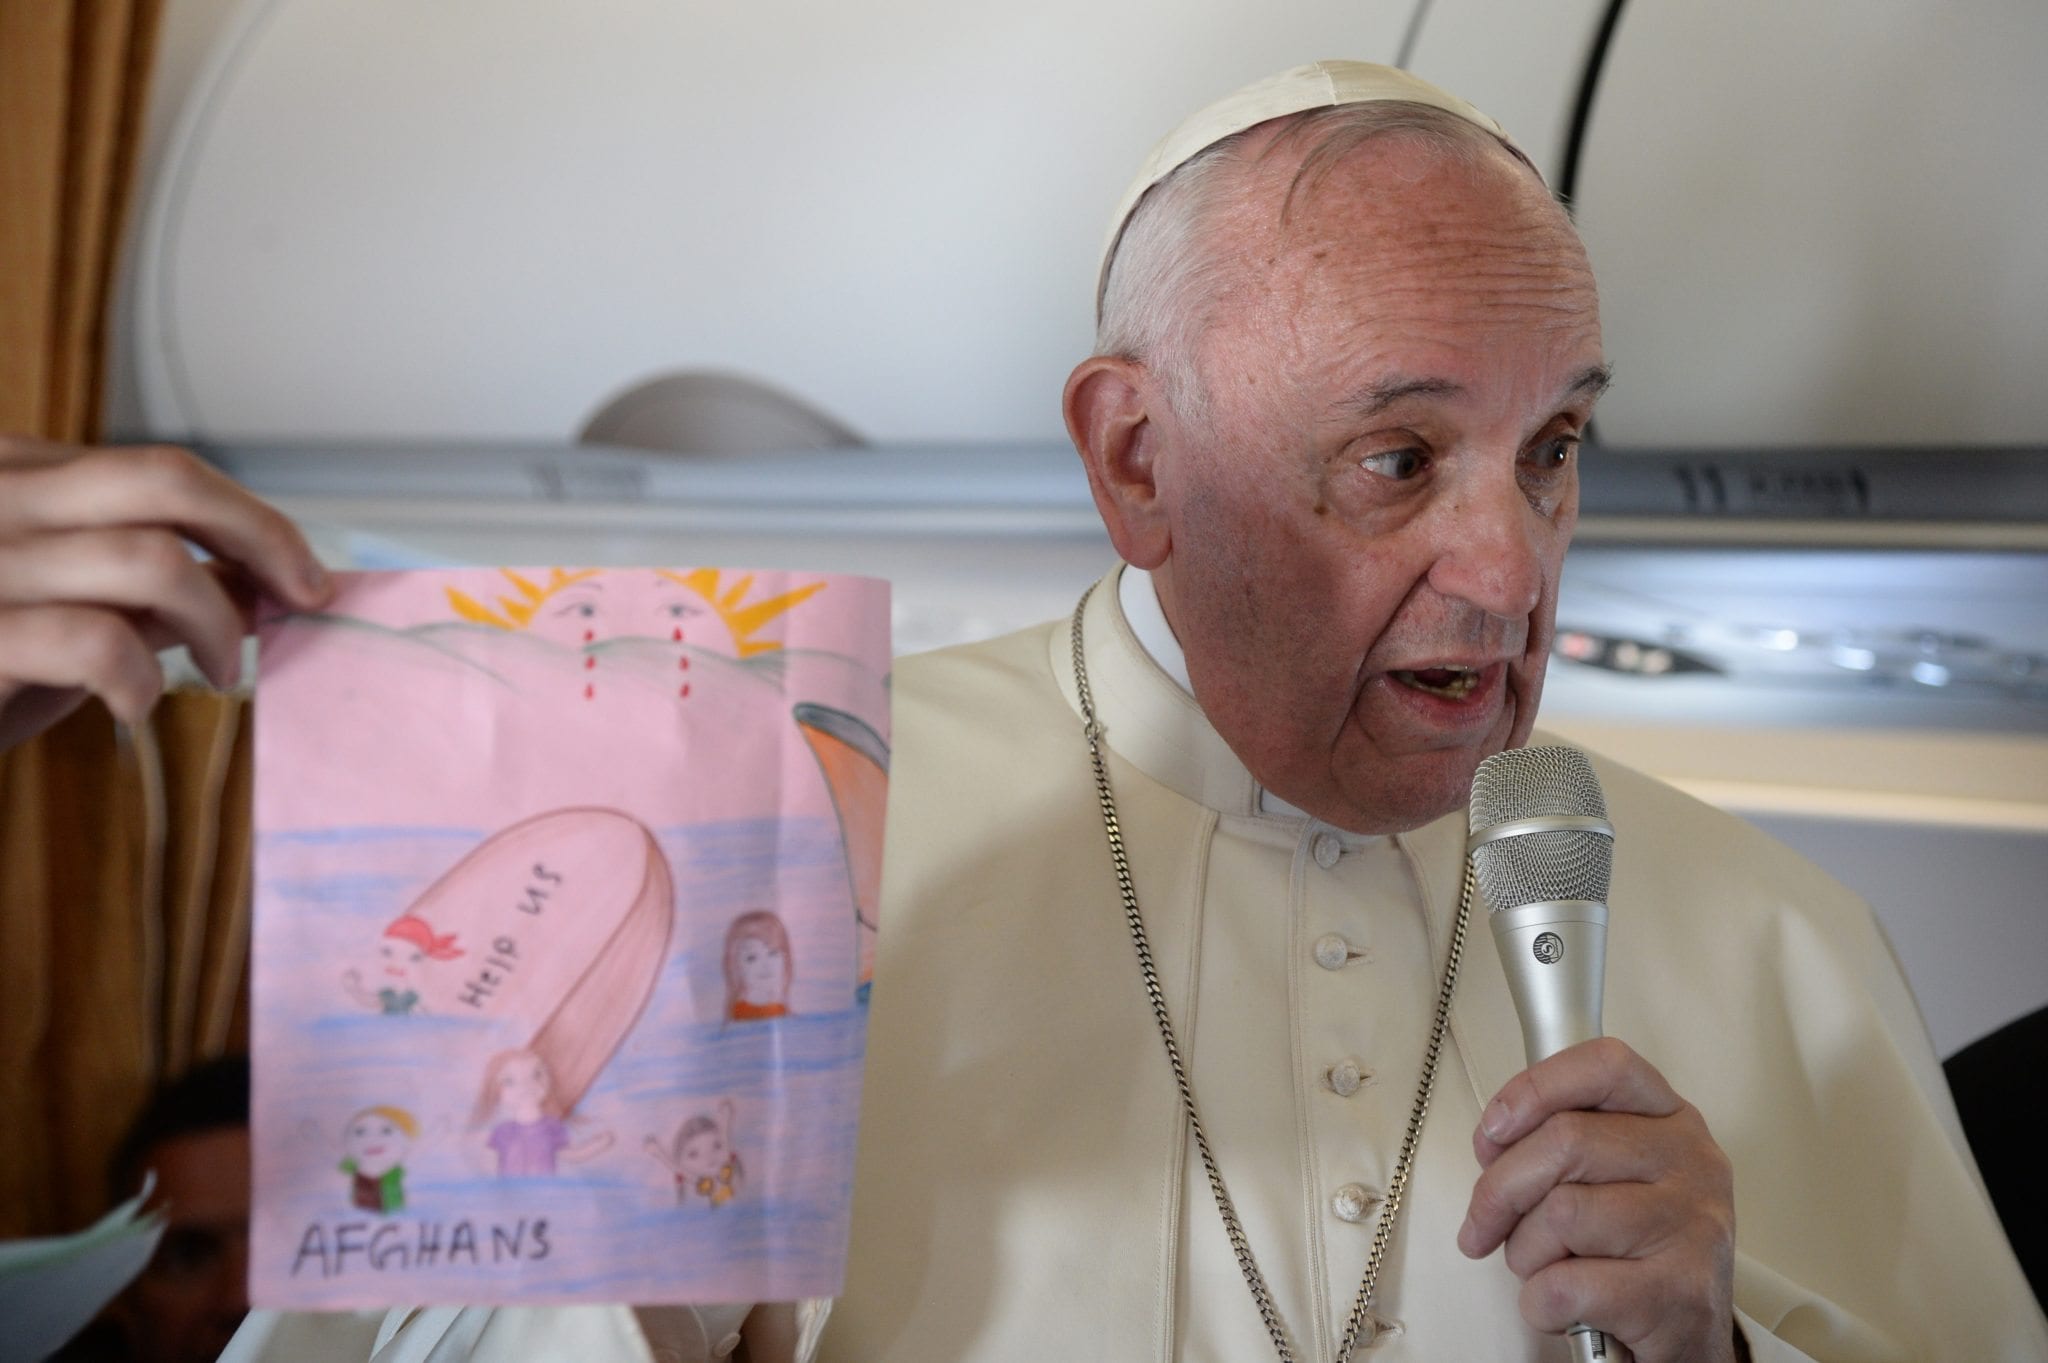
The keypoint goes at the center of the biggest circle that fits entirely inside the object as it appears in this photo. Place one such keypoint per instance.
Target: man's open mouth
(1452, 683)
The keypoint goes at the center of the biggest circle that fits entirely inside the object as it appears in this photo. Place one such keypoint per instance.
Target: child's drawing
(374, 1145)
(407, 943)
(608, 840)
(526, 1120)
(758, 967)
(702, 1160)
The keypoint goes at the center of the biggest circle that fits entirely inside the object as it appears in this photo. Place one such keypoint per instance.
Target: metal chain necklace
(1363, 1326)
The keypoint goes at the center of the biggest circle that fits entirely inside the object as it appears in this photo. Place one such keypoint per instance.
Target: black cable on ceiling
(1413, 35)
(1582, 106)
(1582, 117)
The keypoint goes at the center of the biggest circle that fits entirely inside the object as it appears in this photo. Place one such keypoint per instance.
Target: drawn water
(610, 1227)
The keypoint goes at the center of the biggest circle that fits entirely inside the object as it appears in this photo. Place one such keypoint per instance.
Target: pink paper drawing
(546, 856)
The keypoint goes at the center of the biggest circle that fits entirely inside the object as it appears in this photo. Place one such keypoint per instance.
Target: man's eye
(1400, 465)
(1553, 455)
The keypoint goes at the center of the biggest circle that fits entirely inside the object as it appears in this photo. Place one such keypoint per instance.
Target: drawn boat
(855, 760)
(563, 922)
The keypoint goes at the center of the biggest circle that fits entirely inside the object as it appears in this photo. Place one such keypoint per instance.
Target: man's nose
(1494, 548)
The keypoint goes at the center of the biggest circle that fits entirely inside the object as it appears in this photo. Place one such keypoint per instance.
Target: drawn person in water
(757, 967)
(374, 1146)
(528, 1123)
(407, 943)
(702, 1159)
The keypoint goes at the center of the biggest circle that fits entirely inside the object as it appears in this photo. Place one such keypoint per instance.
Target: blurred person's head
(194, 1134)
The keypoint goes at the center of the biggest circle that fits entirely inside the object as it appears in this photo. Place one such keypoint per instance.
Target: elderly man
(1171, 1056)
(1348, 347)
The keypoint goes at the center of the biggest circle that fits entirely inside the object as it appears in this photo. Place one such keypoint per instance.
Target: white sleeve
(1765, 1347)
(304, 1337)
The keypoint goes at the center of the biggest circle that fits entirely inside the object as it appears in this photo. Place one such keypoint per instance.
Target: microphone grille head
(1531, 868)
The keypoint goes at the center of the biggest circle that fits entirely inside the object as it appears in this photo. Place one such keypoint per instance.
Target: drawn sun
(586, 606)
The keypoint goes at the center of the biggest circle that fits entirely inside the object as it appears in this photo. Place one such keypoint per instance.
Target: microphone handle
(1555, 956)
(1592, 1346)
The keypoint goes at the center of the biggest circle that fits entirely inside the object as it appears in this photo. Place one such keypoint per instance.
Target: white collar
(1139, 597)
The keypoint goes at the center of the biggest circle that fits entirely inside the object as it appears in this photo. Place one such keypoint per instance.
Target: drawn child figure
(374, 1146)
(757, 967)
(529, 1127)
(702, 1160)
(406, 944)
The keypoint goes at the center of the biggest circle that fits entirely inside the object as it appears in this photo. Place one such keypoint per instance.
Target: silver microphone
(1542, 852)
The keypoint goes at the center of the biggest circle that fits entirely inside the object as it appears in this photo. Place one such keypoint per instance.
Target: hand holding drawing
(95, 576)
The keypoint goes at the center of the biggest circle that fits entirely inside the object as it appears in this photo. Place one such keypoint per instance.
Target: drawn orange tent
(855, 761)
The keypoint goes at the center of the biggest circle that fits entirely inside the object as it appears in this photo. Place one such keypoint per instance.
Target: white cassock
(1026, 1187)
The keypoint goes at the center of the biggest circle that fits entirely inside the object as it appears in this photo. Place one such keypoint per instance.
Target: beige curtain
(73, 85)
(124, 934)
(122, 902)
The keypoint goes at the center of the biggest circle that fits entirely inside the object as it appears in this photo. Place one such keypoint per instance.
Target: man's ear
(1113, 409)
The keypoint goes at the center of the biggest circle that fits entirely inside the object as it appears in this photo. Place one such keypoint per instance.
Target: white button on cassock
(1352, 1201)
(724, 1347)
(1332, 951)
(1326, 849)
(1345, 1078)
